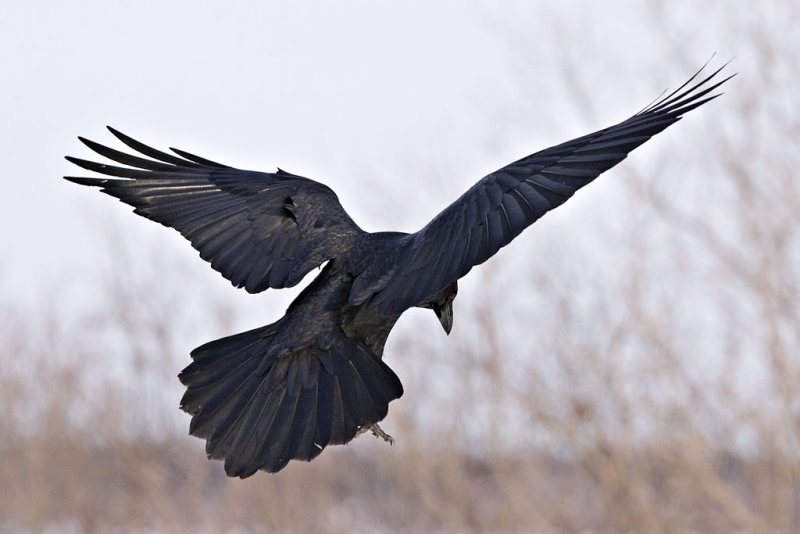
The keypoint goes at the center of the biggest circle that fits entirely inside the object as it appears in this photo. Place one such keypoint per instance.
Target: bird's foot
(378, 432)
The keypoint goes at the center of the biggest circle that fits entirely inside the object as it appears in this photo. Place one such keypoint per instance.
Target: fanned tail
(258, 406)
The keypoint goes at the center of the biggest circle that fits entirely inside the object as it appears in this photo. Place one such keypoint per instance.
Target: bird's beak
(445, 315)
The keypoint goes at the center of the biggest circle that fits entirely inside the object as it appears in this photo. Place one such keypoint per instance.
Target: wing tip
(88, 165)
(116, 133)
(94, 182)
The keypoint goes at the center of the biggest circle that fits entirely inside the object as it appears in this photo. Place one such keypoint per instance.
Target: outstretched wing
(500, 206)
(258, 229)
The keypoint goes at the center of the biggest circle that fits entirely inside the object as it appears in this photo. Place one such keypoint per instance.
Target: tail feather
(250, 437)
(379, 384)
(301, 442)
(258, 407)
(325, 401)
(252, 400)
(344, 427)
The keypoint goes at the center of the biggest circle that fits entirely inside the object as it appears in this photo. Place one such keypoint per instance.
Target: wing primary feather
(658, 102)
(126, 159)
(93, 182)
(149, 151)
(668, 104)
(198, 159)
(111, 170)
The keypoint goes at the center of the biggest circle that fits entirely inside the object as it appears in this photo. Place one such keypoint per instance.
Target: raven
(316, 377)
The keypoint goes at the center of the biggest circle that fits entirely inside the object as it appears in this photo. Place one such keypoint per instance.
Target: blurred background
(630, 363)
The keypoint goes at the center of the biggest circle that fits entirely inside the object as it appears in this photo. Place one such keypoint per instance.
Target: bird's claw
(378, 432)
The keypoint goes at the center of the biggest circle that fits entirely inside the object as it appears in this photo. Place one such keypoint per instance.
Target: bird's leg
(378, 432)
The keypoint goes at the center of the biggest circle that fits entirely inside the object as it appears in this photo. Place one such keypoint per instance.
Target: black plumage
(316, 377)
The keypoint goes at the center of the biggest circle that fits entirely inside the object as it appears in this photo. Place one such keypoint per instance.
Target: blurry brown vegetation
(652, 387)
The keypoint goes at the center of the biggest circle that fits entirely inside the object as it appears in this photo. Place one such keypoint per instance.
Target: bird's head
(442, 306)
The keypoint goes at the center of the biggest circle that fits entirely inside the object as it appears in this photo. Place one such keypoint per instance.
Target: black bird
(316, 377)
